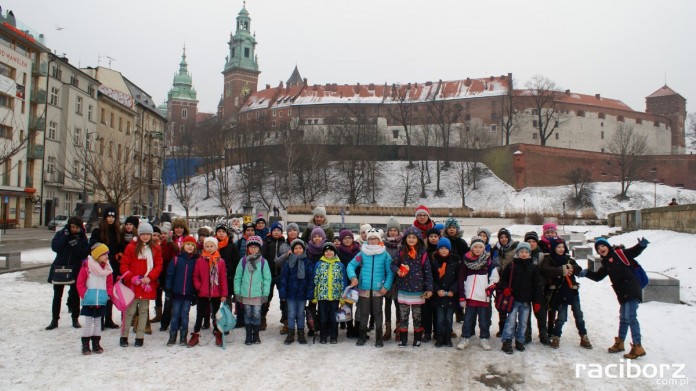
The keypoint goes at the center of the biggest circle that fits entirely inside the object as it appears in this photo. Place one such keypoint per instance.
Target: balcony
(37, 124)
(38, 96)
(54, 179)
(39, 68)
(35, 151)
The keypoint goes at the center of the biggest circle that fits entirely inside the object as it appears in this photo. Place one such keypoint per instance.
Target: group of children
(427, 270)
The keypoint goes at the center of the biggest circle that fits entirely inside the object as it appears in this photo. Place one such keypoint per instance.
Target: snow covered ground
(32, 358)
(534, 199)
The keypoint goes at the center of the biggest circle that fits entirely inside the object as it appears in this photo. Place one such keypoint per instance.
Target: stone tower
(241, 73)
(666, 102)
(182, 105)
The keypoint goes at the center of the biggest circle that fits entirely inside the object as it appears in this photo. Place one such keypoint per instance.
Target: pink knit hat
(549, 227)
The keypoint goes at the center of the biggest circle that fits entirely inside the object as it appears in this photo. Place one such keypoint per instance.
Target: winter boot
(290, 338)
(194, 340)
(379, 343)
(507, 347)
(555, 342)
(76, 324)
(256, 329)
(387, 331)
(148, 328)
(301, 337)
(417, 335)
(439, 341)
(362, 338)
(218, 337)
(85, 346)
(109, 324)
(333, 340)
(463, 343)
(585, 342)
(249, 335)
(263, 324)
(485, 344)
(636, 351)
(139, 342)
(448, 341)
(158, 315)
(403, 337)
(53, 325)
(96, 348)
(284, 330)
(544, 338)
(123, 342)
(618, 346)
(519, 346)
(397, 334)
(172, 338)
(182, 338)
(426, 337)
(528, 336)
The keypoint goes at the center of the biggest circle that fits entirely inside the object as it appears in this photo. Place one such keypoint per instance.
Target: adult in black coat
(71, 247)
(108, 232)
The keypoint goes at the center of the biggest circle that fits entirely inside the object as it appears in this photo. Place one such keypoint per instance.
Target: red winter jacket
(201, 279)
(138, 267)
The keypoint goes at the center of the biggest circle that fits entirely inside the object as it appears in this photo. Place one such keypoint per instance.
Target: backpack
(638, 270)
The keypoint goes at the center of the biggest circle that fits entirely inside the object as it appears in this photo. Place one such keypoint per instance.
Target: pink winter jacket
(201, 279)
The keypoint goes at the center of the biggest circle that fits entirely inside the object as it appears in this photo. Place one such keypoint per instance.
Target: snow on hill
(492, 194)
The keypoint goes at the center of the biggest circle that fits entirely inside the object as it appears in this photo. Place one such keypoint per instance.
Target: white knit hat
(365, 228)
(211, 239)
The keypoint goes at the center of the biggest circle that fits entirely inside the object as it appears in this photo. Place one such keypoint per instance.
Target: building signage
(13, 58)
(19, 32)
(118, 96)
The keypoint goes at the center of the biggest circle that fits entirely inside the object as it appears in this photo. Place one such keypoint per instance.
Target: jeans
(562, 317)
(484, 320)
(296, 313)
(327, 313)
(180, 314)
(628, 317)
(252, 314)
(73, 300)
(142, 306)
(516, 318)
(443, 316)
(370, 306)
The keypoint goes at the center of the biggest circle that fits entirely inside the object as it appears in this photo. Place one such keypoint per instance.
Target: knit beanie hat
(345, 232)
(523, 246)
(260, 219)
(247, 226)
(549, 227)
(452, 222)
(504, 232)
(132, 220)
(444, 242)
(213, 240)
(145, 228)
(156, 229)
(296, 242)
(413, 231)
(531, 235)
(254, 241)
(293, 227)
(602, 241)
(555, 241)
(485, 231)
(319, 211)
(432, 231)
(277, 225)
(110, 211)
(328, 246)
(422, 209)
(318, 231)
(222, 226)
(365, 228)
(373, 233)
(190, 239)
(392, 222)
(477, 239)
(98, 250)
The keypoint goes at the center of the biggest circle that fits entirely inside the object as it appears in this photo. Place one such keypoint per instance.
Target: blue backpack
(638, 270)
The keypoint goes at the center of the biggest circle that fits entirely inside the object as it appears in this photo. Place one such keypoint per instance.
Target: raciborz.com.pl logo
(663, 374)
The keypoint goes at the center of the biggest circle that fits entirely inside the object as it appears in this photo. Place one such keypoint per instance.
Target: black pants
(73, 300)
(283, 304)
(428, 318)
(166, 314)
(370, 306)
(541, 322)
(327, 314)
(203, 310)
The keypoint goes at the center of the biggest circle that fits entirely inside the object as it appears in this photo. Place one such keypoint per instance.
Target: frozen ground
(32, 358)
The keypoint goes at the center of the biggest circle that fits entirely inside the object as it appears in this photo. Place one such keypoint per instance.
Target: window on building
(620, 118)
(90, 110)
(467, 117)
(5, 132)
(76, 169)
(6, 101)
(6, 170)
(581, 113)
(639, 121)
(52, 130)
(289, 112)
(7, 71)
(535, 111)
(101, 146)
(74, 81)
(246, 52)
(534, 136)
(118, 152)
(56, 72)
(535, 124)
(274, 113)
(556, 124)
(88, 141)
(54, 96)
(111, 149)
(468, 129)
(601, 124)
(602, 135)
(602, 150)
(273, 124)
(602, 115)
(128, 128)
(494, 128)
(182, 128)
(77, 137)
(103, 116)
(120, 124)
(5, 41)
(556, 135)
(395, 133)
(51, 165)
(111, 120)
(494, 116)
(184, 113)
(78, 105)
(90, 90)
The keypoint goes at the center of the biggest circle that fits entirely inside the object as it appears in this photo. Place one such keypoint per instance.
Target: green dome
(183, 83)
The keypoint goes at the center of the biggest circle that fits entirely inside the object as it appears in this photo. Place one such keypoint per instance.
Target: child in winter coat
(252, 285)
(428, 309)
(180, 290)
(423, 221)
(318, 221)
(210, 281)
(415, 283)
(521, 279)
(537, 256)
(329, 282)
(142, 261)
(315, 247)
(477, 280)
(94, 285)
(619, 264)
(241, 243)
(559, 270)
(503, 253)
(376, 278)
(295, 287)
(272, 245)
(392, 242)
(347, 250)
(445, 267)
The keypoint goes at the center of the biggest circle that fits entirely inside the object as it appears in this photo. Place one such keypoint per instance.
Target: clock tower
(241, 73)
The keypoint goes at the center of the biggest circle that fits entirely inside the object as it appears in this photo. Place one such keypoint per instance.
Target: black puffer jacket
(623, 279)
(526, 281)
(70, 250)
(448, 282)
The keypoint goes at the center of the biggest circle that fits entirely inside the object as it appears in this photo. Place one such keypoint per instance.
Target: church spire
(242, 45)
(183, 83)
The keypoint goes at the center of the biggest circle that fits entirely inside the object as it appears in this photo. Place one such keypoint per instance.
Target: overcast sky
(621, 49)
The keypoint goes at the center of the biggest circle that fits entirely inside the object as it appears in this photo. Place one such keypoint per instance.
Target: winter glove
(643, 242)
(491, 289)
(536, 307)
(147, 288)
(462, 304)
(135, 280)
(507, 292)
(583, 273)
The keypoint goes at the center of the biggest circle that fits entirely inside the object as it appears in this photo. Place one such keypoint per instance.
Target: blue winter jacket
(180, 275)
(375, 271)
(292, 288)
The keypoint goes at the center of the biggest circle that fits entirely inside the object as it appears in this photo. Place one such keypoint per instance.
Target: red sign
(19, 32)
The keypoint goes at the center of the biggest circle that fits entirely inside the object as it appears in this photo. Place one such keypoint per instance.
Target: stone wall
(680, 218)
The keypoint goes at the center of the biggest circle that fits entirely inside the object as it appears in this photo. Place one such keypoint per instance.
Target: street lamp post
(654, 172)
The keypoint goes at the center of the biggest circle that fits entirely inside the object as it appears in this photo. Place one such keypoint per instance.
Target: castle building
(182, 104)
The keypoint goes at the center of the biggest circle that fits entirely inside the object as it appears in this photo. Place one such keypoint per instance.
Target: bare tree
(509, 120)
(630, 147)
(580, 179)
(544, 95)
(691, 131)
(402, 113)
(406, 186)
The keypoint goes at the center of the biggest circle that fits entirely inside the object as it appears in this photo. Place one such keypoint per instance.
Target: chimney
(304, 81)
(567, 92)
(371, 87)
(597, 96)
(467, 82)
(492, 78)
(268, 86)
